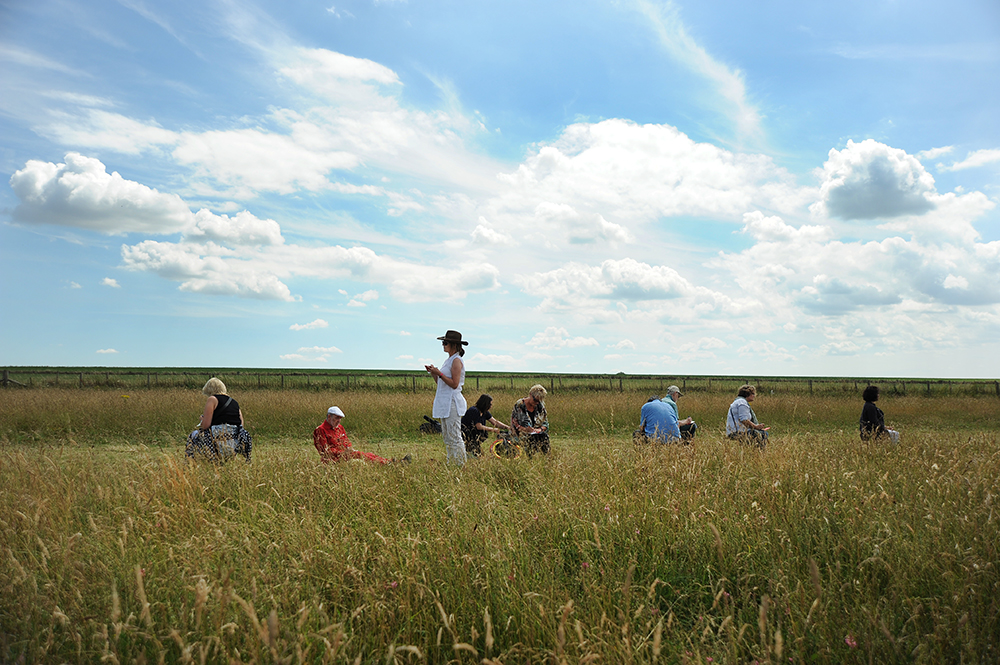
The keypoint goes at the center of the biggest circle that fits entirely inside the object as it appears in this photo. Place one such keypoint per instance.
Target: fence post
(810, 386)
(414, 383)
(147, 380)
(552, 384)
(477, 384)
(928, 387)
(996, 384)
(620, 389)
(81, 379)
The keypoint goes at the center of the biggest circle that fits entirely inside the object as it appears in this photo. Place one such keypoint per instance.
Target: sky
(638, 186)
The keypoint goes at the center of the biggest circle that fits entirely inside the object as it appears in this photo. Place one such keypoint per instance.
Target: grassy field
(818, 550)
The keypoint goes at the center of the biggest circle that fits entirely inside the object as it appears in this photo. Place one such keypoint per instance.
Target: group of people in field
(220, 434)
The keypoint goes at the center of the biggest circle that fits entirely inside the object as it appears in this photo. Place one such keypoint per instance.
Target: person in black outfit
(474, 425)
(220, 433)
(872, 422)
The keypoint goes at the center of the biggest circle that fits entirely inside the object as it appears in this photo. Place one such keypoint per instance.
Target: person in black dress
(872, 422)
(476, 425)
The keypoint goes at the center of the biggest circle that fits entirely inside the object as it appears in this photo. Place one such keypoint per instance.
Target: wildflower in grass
(850, 641)
(607, 507)
(585, 565)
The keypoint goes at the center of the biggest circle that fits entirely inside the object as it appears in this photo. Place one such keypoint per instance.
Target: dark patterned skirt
(219, 443)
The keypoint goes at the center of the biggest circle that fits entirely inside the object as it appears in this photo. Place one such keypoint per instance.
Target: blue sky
(776, 188)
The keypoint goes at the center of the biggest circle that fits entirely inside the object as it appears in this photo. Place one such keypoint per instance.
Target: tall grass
(818, 550)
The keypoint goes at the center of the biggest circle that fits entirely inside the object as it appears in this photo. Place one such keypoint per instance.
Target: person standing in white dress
(449, 403)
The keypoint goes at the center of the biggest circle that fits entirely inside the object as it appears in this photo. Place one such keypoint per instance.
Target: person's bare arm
(206, 417)
(456, 372)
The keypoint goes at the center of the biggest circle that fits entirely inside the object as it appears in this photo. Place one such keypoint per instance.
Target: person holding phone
(449, 404)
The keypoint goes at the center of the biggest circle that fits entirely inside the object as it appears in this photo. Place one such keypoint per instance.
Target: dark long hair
(870, 394)
(483, 403)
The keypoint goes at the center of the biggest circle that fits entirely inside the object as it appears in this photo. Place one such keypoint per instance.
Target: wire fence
(393, 381)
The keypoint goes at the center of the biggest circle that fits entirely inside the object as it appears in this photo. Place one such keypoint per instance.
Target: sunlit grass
(114, 548)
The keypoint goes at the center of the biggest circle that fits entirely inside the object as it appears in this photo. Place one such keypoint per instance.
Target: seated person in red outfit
(332, 443)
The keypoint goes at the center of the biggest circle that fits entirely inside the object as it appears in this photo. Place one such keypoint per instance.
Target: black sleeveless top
(228, 415)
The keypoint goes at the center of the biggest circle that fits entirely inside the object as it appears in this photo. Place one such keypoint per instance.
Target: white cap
(335, 411)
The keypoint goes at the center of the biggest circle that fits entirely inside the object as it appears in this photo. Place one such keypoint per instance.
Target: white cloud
(106, 351)
(955, 282)
(323, 350)
(81, 193)
(624, 344)
(595, 177)
(404, 333)
(99, 129)
(74, 285)
(318, 323)
(243, 229)
(870, 180)
(934, 153)
(974, 160)
(113, 283)
(311, 354)
(404, 357)
(485, 233)
(674, 37)
(559, 338)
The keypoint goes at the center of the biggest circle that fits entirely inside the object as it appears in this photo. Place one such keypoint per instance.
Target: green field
(818, 550)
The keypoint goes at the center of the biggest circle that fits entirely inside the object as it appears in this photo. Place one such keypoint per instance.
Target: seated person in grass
(474, 425)
(331, 441)
(658, 422)
(220, 434)
(872, 421)
(741, 421)
(687, 426)
(529, 422)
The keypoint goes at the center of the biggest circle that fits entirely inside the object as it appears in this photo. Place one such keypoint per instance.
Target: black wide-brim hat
(453, 336)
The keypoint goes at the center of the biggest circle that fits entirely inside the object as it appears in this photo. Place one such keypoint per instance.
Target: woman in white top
(449, 404)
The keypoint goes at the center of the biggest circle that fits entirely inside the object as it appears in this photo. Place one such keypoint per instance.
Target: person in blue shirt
(659, 422)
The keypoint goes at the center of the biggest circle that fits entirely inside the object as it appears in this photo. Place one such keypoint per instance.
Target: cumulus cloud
(74, 285)
(243, 229)
(311, 354)
(81, 193)
(313, 325)
(259, 271)
(106, 351)
(973, 160)
(934, 153)
(485, 233)
(624, 344)
(113, 283)
(584, 289)
(362, 299)
(559, 338)
(870, 180)
(620, 170)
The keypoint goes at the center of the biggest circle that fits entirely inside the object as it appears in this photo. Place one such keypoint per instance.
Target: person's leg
(371, 457)
(539, 443)
(451, 432)
(687, 431)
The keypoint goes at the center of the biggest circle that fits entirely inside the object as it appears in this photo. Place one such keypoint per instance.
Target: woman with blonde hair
(220, 434)
(529, 420)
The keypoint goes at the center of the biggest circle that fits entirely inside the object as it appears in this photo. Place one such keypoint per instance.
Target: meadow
(818, 550)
